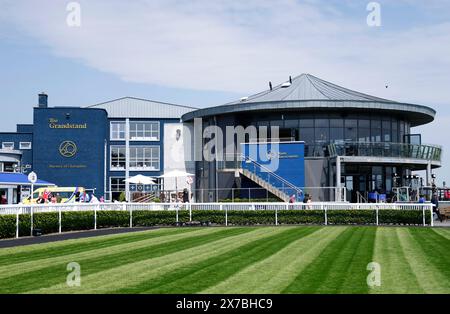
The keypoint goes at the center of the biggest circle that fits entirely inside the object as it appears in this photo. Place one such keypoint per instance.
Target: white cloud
(240, 45)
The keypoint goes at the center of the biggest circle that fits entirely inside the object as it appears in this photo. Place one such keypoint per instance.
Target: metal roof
(309, 93)
(130, 107)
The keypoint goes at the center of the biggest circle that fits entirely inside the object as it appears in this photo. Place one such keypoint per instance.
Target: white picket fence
(130, 207)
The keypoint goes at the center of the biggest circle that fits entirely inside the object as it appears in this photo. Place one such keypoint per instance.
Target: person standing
(94, 199)
(185, 196)
(292, 199)
(435, 202)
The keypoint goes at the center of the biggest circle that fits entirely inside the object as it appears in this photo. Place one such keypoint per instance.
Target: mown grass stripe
(434, 247)
(341, 268)
(395, 267)
(111, 280)
(274, 274)
(15, 269)
(55, 274)
(443, 232)
(210, 272)
(430, 278)
(49, 251)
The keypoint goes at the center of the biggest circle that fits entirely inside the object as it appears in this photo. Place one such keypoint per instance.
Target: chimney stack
(43, 100)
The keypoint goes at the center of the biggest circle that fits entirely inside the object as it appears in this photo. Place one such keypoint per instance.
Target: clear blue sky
(208, 52)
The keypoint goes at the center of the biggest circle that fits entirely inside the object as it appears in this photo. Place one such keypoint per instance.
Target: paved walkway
(445, 223)
(68, 236)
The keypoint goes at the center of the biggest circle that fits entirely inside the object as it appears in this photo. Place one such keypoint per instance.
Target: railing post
(276, 216)
(326, 215)
(423, 215)
(176, 210)
(131, 216)
(226, 214)
(190, 212)
(95, 217)
(17, 224)
(59, 220)
(31, 221)
(377, 214)
(431, 216)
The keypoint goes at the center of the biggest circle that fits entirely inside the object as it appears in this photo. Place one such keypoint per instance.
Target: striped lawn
(309, 259)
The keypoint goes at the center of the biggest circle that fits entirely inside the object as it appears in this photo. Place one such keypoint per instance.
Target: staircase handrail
(270, 172)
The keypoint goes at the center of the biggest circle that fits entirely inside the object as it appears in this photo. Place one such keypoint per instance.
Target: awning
(10, 178)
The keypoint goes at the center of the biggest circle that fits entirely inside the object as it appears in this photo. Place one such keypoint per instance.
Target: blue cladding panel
(286, 160)
(87, 129)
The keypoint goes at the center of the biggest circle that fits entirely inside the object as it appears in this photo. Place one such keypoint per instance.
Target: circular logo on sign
(68, 149)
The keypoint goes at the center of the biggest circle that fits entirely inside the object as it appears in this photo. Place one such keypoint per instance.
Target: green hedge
(72, 221)
(7, 226)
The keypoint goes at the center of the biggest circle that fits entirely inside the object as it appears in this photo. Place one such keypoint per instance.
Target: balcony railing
(393, 150)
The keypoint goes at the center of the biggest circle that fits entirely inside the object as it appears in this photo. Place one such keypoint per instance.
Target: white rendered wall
(177, 155)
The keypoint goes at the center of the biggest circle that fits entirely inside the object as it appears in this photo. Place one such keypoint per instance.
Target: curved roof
(308, 93)
(130, 107)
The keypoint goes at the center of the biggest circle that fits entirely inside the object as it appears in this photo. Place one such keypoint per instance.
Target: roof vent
(270, 85)
(244, 99)
(285, 85)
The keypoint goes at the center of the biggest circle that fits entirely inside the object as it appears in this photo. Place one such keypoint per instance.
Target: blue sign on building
(285, 159)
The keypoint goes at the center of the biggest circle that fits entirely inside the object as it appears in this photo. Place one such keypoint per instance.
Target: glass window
(322, 135)
(291, 124)
(350, 134)
(144, 158)
(376, 124)
(336, 135)
(117, 184)
(144, 131)
(307, 135)
(279, 123)
(25, 145)
(351, 123)
(337, 123)
(386, 126)
(306, 123)
(364, 135)
(395, 132)
(322, 123)
(376, 131)
(117, 131)
(364, 124)
(118, 160)
(8, 145)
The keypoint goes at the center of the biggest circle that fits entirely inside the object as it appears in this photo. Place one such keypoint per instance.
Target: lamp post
(32, 177)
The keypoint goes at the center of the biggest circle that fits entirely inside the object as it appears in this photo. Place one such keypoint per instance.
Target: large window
(117, 184)
(25, 145)
(117, 131)
(144, 158)
(118, 160)
(144, 131)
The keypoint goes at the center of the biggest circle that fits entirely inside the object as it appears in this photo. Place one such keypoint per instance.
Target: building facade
(340, 138)
(95, 147)
(352, 140)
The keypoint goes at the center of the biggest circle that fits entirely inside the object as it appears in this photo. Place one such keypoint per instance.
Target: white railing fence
(18, 210)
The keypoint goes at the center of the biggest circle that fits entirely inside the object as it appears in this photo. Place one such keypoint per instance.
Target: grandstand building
(351, 139)
(329, 136)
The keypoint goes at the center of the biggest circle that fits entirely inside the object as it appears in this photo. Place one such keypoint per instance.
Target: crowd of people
(55, 198)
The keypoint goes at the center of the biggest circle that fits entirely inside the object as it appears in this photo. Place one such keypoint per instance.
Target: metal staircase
(146, 198)
(269, 180)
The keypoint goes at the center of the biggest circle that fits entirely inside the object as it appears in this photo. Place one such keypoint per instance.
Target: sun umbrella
(176, 174)
(140, 179)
